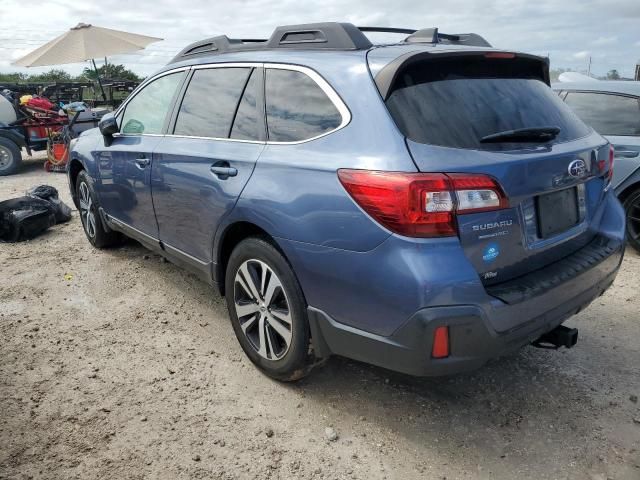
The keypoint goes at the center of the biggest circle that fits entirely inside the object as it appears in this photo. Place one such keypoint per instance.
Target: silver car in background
(612, 108)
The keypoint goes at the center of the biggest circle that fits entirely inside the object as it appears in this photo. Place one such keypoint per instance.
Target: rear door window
(211, 101)
(297, 108)
(147, 111)
(456, 102)
(608, 114)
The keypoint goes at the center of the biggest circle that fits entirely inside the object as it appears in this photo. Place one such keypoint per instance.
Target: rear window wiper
(531, 134)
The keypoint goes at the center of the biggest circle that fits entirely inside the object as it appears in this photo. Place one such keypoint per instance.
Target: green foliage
(53, 75)
(113, 72)
(13, 77)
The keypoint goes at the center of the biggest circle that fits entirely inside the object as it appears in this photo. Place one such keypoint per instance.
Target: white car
(612, 108)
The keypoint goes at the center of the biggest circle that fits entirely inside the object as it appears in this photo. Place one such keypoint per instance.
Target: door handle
(142, 162)
(222, 170)
(627, 153)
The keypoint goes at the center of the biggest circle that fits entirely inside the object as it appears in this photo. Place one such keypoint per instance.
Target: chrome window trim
(328, 90)
(228, 65)
(239, 140)
(142, 86)
(118, 134)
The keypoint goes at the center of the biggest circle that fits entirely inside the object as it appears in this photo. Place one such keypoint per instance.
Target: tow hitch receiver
(560, 336)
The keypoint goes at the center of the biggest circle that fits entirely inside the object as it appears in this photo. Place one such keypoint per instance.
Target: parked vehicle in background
(423, 206)
(612, 108)
(37, 124)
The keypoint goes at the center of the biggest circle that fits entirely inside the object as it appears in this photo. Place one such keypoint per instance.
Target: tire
(10, 157)
(259, 280)
(92, 225)
(632, 212)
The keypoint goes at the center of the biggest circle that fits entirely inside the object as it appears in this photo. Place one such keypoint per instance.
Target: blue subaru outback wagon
(423, 205)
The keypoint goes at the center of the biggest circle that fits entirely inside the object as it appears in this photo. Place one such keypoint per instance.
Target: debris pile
(27, 217)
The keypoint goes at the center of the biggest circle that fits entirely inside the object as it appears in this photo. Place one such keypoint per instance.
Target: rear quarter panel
(295, 193)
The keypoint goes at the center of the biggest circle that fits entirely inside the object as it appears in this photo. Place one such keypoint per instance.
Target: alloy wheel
(86, 210)
(263, 310)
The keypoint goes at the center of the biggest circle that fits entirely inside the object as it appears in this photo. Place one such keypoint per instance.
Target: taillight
(602, 164)
(421, 204)
(477, 193)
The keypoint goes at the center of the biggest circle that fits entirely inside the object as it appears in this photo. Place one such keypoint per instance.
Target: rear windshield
(457, 101)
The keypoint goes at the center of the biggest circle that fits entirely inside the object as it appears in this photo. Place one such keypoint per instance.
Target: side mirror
(108, 126)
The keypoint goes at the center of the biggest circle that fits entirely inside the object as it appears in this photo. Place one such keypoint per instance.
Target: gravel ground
(129, 368)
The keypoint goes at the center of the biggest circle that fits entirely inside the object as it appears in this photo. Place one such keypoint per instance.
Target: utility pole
(589, 69)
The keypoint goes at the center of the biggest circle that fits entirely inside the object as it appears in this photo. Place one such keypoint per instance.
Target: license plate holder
(557, 212)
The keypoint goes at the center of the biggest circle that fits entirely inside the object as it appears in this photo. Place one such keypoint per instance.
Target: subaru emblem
(577, 168)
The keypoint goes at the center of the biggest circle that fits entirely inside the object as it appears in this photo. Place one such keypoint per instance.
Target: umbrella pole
(104, 96)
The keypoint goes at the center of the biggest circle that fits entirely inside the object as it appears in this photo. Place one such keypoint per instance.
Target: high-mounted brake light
(422, 204)
(499, 55)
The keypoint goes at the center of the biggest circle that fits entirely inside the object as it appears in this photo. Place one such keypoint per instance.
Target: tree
(13, 77)
(613, 75)
(53, 75)
(112, 71)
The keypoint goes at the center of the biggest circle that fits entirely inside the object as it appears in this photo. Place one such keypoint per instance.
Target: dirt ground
(129, 368)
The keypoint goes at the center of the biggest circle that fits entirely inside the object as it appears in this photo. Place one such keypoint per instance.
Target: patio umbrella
(85, 42)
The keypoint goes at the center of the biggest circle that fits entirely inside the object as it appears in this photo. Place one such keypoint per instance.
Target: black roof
(325, 36)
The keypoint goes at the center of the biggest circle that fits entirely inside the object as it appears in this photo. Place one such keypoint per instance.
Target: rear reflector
(422, 204)
(440, 347)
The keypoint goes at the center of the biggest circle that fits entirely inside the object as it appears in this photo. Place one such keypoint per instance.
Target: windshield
(457, 102)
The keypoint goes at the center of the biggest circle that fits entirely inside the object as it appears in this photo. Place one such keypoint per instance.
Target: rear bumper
(473, 340)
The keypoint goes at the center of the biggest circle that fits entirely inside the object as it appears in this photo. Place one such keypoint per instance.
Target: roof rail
(327, 36)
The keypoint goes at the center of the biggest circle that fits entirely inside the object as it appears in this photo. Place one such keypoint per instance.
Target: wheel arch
(16, 138)
(630, 185)
(231, 236)
(12, 143)
(74, 169)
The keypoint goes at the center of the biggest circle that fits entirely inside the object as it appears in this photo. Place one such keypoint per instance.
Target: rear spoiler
(385, 79)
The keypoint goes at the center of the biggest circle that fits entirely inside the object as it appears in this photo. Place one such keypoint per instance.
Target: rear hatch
(493, 113)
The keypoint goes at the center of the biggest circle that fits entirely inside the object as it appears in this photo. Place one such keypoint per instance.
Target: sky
(568, 31)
